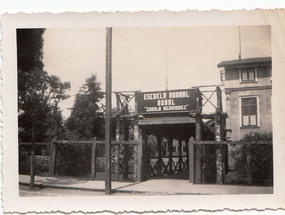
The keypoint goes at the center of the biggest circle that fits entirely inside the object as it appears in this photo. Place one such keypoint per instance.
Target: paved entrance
(155, 186)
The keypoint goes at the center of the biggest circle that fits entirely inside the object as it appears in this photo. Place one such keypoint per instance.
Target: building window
(249, 111)
(248, 74)
(223, 75)
(174, 148)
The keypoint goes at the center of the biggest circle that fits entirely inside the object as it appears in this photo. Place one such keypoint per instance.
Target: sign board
(166, 101)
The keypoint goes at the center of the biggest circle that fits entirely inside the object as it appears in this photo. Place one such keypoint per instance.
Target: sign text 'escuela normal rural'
(166, 101)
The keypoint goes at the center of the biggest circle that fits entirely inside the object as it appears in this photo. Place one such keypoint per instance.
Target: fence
(42, 158)
(82, 158)
(251, 162)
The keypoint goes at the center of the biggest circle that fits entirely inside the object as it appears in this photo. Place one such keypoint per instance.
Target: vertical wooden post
(33, 154)
(118, 137)
(118, 128)
(180, 155)
(159, 164)
(218, 137)
(52, 158)
(116, 161)
(248, 164)
(140, 173)
(108, 97)
(187, 153)
(126, 150)
(170, 151)
(136, 151)
(118, 121)
(198, 122)
(191, 160)
(135, 170)
(93, 158)
(140, 138)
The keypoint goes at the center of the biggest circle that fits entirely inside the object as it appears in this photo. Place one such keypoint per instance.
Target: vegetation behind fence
(253, 160)
(75, 158)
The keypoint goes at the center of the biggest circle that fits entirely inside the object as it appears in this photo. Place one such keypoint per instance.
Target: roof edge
(246, 61)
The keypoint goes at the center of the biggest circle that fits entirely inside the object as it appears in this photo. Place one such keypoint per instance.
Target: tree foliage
(29, 49)
(38, 92)
(86, 121)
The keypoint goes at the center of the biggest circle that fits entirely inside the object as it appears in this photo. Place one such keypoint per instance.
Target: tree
(38, 92)
(85, 120)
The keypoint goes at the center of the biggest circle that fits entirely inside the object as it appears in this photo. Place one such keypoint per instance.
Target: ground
(24, 191)
(176, 184)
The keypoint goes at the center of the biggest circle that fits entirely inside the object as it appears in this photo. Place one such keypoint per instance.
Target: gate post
(141, 158)
(191, 150)
(198, 122)
(118, 120)
(219, 137)
(116, 158)
(137, 152)
(135, 163)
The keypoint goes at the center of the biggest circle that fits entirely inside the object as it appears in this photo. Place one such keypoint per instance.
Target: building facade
(248, 91)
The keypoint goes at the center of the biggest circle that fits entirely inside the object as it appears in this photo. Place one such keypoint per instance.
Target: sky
(141, 57)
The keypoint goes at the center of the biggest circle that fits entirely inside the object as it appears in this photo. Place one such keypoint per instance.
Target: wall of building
(233, 78)
(233, 102)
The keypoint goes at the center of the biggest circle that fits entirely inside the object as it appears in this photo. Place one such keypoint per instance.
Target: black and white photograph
(62, 109)
(174, 111)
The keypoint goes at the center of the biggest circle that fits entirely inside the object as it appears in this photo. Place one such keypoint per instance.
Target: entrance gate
(163, 123)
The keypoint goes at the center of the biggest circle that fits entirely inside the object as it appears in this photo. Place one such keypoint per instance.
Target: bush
(73, 159)
(261, 165)
(41, 159)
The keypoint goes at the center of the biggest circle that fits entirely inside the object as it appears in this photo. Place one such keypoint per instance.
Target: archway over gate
(170, 117)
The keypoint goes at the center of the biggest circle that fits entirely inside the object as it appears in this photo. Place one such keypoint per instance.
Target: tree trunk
(32, 161)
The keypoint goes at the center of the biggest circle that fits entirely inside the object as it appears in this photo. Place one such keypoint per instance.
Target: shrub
(73, 159)
(261, 165)
(41, 159)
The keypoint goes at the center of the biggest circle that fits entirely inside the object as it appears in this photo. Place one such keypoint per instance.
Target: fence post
(198, 137)
(198, 148)
(219, 137)
(191, 160)
(126, 150)
(138, 150)
(116, 158)
(118, 121)
(135, 170)
(248, 164)
(93, 158)
(52, 159)
(140, 157)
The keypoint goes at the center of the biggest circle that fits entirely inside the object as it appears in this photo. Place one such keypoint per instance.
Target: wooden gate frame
(123, 117)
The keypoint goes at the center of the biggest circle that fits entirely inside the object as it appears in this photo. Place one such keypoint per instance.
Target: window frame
(248, 68)
(257, 111)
